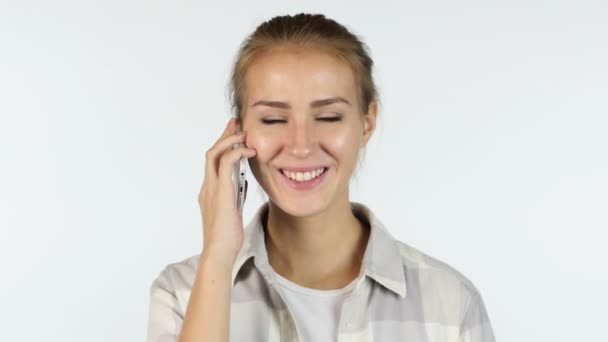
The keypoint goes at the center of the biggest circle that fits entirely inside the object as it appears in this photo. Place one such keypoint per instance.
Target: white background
(491, 152)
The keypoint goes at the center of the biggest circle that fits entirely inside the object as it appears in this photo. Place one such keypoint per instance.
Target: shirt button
(349, 325)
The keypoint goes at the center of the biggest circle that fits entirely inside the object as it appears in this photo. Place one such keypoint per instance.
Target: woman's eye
(327, 119)
(270, 122)
(332, 119)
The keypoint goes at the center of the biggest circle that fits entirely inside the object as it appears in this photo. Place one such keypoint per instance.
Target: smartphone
(239, 175)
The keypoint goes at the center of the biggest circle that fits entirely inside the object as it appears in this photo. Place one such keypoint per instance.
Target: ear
(369, 122)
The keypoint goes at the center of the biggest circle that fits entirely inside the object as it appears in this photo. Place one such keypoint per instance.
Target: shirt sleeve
(476, 326)
(164, 317)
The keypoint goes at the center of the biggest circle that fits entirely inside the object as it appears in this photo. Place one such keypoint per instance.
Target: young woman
(311, 265)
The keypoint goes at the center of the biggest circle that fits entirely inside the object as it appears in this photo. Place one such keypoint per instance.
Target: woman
(310, 265)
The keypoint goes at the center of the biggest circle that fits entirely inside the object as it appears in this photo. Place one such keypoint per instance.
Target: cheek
(262, 143)
(342, 143)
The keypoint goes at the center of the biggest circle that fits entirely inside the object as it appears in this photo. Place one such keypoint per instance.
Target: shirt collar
(382, 259)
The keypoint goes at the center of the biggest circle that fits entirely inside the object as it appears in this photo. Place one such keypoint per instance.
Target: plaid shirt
(402, 294)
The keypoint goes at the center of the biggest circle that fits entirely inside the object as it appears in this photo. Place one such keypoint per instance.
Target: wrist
(216, 260)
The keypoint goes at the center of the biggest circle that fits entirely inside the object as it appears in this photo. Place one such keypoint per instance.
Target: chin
(299, 207)
(302, 210)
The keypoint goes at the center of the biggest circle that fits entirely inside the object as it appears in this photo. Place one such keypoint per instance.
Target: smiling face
(301, 112)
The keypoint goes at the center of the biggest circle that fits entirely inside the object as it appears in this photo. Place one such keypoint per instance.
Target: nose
(301, 139)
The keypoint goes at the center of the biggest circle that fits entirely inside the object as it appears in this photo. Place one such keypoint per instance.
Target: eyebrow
(313, 104)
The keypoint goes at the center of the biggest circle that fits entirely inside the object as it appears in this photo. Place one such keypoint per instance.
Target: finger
(229, 130)
(228, 160)
(215, 153)
(230, 126)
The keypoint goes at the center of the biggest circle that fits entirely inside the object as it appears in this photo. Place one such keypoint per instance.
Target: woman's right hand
(222, 222)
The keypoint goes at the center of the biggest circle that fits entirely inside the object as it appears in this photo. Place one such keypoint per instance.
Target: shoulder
(436, 282)
(182, 270)
(177, 278)
(447, 297)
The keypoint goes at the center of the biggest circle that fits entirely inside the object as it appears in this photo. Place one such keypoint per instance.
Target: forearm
(207, 316)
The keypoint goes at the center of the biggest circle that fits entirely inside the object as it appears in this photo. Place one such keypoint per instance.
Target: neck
(324, 251)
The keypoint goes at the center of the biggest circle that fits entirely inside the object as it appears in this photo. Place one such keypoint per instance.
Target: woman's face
(291, 129)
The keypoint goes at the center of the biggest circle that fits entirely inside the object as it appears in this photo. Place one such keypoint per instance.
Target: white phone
(239, 175)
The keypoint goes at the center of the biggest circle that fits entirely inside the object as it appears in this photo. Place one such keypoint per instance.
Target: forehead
(298, 75)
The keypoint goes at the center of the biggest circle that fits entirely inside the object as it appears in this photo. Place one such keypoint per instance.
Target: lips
(305, 185)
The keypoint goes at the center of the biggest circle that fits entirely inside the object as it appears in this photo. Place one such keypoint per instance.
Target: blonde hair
(305, 30)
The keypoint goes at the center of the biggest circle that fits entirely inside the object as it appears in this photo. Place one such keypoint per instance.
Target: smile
(304, 180)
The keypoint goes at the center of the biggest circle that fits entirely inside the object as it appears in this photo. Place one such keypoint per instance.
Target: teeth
(303, 176)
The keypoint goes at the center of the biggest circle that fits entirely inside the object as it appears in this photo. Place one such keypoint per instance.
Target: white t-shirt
(316, 311)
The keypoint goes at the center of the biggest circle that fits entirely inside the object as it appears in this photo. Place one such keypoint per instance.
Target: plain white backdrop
(491, 152)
